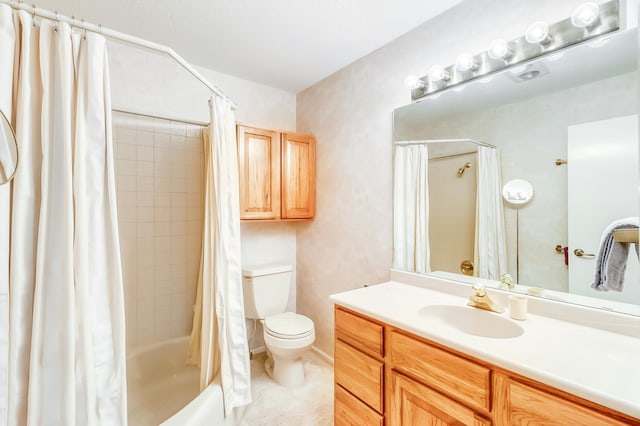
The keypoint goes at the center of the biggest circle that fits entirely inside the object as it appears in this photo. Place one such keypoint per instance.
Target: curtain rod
(118, 36)
(142, 114)
(426, 141)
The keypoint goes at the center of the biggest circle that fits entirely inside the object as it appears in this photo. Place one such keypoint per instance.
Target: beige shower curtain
(411, 208)
(66, 345)
(490, 242)
(219, 337)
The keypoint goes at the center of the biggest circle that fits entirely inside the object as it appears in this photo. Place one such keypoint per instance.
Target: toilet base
(286, 372)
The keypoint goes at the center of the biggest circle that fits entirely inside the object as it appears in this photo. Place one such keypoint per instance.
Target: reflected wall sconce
(588, 21)
(587, 15)
(466, 62)
(500, 49)
(538, 33)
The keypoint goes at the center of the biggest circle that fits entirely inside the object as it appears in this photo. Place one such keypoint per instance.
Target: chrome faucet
(480, 300)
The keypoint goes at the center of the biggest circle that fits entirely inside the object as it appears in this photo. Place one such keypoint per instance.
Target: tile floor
(275, 405)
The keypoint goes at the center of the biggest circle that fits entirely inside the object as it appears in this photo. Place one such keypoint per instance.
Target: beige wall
(350, 112)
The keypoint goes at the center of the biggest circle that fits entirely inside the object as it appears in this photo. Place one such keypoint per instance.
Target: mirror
(517, 192)
(571, 132)
(8, 150)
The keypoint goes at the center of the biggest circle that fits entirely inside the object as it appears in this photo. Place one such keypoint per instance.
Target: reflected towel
(611, 262)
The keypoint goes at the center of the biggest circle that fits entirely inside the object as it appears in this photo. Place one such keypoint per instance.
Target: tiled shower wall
(160, 183)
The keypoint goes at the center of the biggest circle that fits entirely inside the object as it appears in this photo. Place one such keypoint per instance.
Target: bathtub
(162, 390)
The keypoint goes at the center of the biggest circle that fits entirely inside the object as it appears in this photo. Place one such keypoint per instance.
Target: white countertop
(598, 365)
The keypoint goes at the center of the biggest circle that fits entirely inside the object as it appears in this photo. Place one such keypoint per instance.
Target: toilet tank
(265, 289)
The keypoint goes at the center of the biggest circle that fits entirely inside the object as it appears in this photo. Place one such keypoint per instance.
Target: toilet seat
(288, 325)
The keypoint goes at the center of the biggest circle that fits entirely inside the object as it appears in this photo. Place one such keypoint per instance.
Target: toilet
(287, 335)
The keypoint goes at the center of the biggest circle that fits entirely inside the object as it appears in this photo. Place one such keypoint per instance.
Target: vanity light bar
(539, 40)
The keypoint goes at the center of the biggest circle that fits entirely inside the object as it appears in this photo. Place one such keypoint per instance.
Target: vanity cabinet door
(413, 403)
(259, 173)
(298, 176)
(520, 404)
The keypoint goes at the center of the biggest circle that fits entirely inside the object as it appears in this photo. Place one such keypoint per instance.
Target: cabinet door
(259, 169)
(298, 176)
(413, 403)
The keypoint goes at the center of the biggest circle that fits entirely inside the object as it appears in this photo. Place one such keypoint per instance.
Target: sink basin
(473, 321)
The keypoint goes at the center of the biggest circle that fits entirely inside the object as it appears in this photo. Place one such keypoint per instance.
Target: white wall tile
(160, 272)
(144, 153)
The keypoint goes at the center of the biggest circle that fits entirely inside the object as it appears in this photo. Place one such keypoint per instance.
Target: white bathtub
(162, 390)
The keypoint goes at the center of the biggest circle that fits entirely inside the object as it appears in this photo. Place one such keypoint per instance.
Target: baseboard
(325, 356)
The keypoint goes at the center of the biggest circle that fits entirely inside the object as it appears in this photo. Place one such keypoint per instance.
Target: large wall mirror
(567, 124)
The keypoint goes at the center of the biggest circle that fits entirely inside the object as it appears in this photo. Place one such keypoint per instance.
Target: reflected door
(602, 187)
(452, 211)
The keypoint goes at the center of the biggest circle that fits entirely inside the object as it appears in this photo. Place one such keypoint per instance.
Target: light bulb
(499, 49)
(587, 15)
(538, 33)
(466, 62)
(438, 73)
(413, 82)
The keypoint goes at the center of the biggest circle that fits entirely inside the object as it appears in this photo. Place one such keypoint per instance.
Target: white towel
(611, 262)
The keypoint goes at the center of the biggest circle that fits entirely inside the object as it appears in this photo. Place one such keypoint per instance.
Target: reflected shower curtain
(66, 362)
(219, 336)
(490, 245)
(411, 209)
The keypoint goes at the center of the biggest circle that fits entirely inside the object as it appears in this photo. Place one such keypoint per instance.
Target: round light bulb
(438, 73)
(586, 15)
(538, 33)
(499, 49)
(413, 82)
(466, 62)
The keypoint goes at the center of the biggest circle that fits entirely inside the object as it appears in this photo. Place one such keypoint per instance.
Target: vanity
(410, 351)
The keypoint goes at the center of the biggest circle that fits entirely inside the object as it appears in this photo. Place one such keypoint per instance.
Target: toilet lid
(288, 325)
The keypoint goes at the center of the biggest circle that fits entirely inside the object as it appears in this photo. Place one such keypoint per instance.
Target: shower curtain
(219, 337)
(490, 244)
(66, 343)
(411, 209)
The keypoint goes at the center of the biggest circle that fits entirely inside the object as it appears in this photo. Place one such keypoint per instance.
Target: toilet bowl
(287, 335)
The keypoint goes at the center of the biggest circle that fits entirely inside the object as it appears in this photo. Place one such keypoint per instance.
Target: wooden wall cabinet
(277, 174)
(384, 375)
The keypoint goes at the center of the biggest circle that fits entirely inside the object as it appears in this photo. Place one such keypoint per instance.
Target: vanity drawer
(458, 377)
(361, 374)
(526, 405)
(359, 332)
(349, 410)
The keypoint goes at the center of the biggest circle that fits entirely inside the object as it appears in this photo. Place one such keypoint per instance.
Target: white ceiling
(289, 44)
